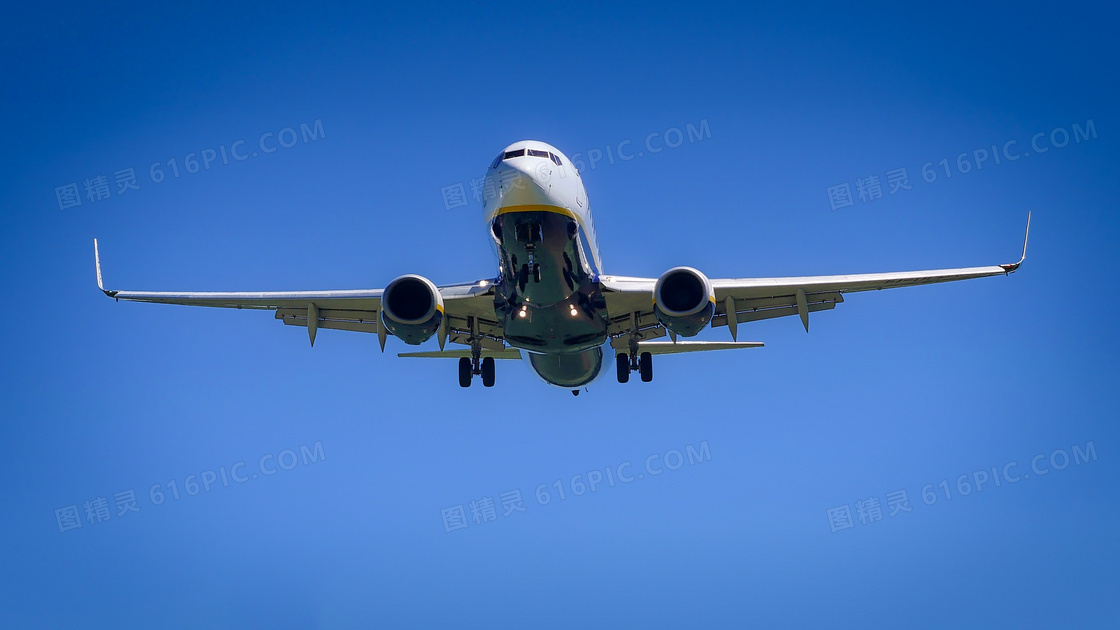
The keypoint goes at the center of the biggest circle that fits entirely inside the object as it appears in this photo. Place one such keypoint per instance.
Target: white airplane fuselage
(548, 294)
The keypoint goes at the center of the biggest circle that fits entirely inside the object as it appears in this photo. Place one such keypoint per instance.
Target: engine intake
(412, 308)
(684, 301)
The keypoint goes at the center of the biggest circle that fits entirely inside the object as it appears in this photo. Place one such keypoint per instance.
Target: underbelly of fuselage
(547, 294)
(558, 328)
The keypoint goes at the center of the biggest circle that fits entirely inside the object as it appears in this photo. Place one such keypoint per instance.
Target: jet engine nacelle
(684, 301)
(412, 308)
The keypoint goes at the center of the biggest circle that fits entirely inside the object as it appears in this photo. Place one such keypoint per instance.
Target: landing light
(521, 314)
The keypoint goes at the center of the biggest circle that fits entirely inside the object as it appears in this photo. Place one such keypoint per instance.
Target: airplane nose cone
(525, 181)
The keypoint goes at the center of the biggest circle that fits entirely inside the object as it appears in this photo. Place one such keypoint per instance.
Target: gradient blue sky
(891, 391)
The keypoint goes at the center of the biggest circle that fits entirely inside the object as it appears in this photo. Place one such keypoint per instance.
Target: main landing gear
(484, 367)
(624, 364)
(467, 370)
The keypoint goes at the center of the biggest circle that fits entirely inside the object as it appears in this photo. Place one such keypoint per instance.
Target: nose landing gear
(530, 269)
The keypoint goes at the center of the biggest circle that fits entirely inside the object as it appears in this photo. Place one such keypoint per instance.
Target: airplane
(551, 304)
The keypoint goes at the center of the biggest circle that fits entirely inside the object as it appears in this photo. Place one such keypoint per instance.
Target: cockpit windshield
(516, 153)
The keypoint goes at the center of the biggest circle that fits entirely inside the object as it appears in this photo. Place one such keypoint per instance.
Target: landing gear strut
(634, 360)
(476, 364)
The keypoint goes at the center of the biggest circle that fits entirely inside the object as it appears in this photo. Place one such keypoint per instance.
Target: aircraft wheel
(622, 363)
(536, 273)
(464, 372)
(488, 372)
(645, 367)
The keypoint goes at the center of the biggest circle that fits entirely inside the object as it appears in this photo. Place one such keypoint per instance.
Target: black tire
(645, 367)
(464, 372)
(622, 364)
(488, 372)
(536, 273)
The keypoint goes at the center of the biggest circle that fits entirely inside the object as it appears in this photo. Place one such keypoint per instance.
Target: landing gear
(488, 372)
(528, 270)
(645, 367)
(468, 367)
(530, 234)
(465, 372)
(624, 365)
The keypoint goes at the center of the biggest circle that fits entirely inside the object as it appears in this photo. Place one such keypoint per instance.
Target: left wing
(680, 347)
(356, 310)
(752, 299)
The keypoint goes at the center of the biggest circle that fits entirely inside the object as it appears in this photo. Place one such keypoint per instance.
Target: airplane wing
(680, 347)
(354, 310)
(751, 299)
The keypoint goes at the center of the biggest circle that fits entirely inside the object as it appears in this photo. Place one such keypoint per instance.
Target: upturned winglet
(1013, 266)
(97, 265)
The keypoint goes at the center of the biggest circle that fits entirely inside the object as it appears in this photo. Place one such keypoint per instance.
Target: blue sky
(891, 391)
